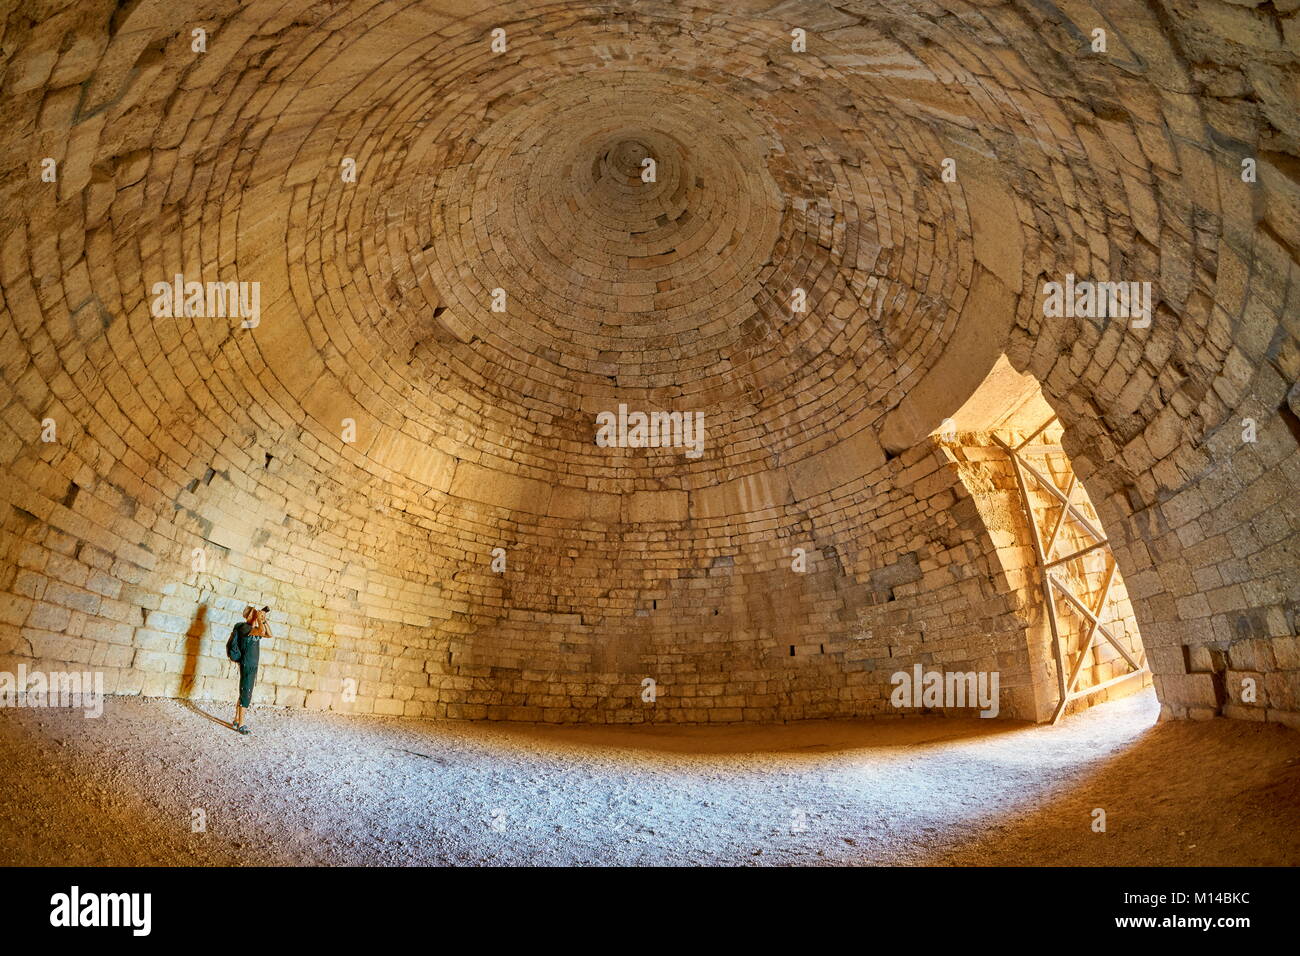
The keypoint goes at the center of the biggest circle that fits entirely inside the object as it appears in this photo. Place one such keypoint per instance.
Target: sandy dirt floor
(310, 788)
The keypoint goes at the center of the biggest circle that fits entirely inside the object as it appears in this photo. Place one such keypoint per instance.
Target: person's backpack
(234, 650)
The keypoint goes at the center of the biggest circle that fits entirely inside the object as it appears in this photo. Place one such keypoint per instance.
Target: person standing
(244, 647)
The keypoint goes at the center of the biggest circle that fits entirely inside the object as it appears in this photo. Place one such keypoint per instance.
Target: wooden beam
(1060, 520)
(1074, 678)
(1078, 554)
(1050, 487)
(1083, 609)
(1119, 679)
(1085, 645)
(1051, 584)
(1035, 433)
(1093, 623)
(1042, 565)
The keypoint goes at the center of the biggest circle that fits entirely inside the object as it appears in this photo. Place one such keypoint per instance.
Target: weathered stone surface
(355, 458)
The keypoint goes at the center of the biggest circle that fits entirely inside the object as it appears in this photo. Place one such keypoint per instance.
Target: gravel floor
(310, 788)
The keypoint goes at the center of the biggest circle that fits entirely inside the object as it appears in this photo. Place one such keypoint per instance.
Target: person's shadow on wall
(189, 676)
(193, 643)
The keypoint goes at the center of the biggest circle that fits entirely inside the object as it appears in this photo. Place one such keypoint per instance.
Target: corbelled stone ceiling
(460, 262)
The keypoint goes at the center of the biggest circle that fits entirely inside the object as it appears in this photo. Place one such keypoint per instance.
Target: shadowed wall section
(355, 457)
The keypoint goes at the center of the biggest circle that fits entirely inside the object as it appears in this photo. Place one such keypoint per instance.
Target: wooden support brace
(1086, 643)
(1078, 554)
(1083, 609)
(1051, 584)
(1050, 487)
(1035, 433)
(1042, 565)
(1060, 521)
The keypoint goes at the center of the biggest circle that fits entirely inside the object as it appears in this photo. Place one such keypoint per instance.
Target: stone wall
(354, 458)
(722, 622)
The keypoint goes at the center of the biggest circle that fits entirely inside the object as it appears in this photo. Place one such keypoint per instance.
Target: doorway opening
(1082, 636)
